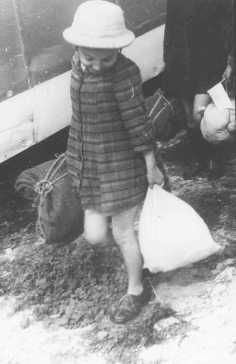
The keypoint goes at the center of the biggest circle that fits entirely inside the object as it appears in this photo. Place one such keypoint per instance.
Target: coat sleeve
(130, 99)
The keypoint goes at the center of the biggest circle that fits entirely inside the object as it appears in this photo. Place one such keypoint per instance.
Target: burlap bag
(60, 216)
(26, 181)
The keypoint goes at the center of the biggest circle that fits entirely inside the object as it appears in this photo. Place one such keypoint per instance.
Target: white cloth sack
(171, 233)
(216, 125)
(218, 121)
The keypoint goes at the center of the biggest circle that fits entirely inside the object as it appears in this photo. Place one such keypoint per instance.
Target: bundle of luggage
(218, 123)
(60, 216)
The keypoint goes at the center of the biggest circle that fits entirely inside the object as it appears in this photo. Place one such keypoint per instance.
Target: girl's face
(97, 60)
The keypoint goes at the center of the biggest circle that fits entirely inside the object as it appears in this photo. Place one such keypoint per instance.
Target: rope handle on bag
(168, 103)
(45, 186)
(52, 170)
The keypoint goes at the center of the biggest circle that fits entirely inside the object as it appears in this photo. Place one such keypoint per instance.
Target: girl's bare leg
(125, 237)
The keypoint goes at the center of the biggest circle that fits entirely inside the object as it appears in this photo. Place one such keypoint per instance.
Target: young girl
(109, 154)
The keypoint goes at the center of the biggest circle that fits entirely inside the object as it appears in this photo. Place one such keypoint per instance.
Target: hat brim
(117, 42)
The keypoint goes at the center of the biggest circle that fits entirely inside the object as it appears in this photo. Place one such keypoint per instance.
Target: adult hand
(200, 103)
(227, 73)
(232, 122)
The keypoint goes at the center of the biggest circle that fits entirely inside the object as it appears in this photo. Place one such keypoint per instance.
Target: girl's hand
(155, 176)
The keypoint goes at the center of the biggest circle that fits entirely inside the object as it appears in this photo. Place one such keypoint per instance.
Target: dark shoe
(130, 306)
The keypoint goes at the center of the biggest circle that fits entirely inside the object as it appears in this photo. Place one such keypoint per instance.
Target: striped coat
(108, 134)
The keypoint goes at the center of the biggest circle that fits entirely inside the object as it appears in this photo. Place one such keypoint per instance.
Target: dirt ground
(54, 301)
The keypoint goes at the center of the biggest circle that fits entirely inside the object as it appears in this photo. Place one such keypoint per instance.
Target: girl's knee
(95, 228)
(95, 237)
(123, 226)
(118, 234)
(123, 235)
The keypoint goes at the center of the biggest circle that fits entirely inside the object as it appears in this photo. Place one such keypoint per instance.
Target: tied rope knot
(43, 187)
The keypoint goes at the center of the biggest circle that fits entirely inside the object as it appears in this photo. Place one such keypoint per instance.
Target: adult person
(198, 36)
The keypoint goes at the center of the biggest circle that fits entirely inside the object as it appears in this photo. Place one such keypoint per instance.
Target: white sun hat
(99, 24)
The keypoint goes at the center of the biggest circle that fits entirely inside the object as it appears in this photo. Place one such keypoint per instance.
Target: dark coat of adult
(197, 42)
(109, 133)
